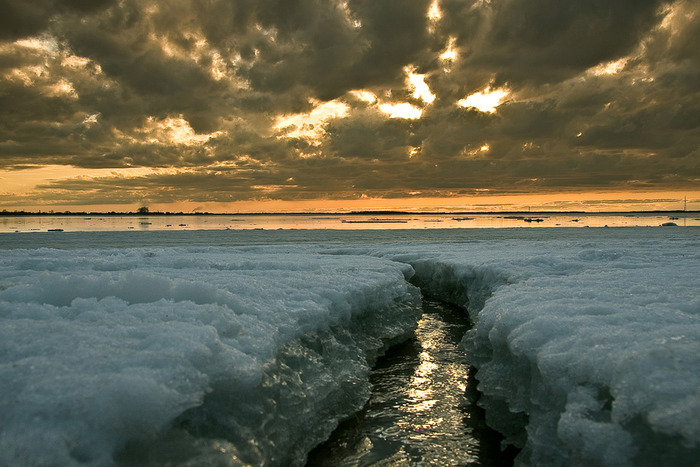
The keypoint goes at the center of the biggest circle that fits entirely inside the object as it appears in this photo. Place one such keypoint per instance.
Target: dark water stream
(420, 411)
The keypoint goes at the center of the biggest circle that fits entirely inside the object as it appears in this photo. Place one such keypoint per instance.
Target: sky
(313, 105)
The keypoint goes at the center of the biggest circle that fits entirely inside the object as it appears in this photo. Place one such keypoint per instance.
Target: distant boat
(55, 230)
(669, 224)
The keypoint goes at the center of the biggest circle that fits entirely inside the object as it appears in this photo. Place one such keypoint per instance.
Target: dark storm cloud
(22, 18)
(326, 46)
(602, 93)
(368, 134)
(546, 41)
(124, 42)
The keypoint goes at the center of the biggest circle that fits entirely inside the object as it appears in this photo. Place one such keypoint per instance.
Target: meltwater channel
(422, 409)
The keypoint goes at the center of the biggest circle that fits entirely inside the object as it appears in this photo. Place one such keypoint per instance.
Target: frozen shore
(587, 344)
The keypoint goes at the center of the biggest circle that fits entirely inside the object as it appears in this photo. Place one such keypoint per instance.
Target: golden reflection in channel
(419, 416)
(431, 403)
(420, 391)
(431, 417)
(422, 407)
(426, 366)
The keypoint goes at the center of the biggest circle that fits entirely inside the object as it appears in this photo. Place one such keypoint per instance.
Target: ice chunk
(253, 353)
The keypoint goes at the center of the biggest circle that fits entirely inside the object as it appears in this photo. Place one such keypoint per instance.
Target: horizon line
(6, 213)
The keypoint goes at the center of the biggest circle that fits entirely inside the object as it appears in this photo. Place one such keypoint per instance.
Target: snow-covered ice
(592, 345)
(587, 344)
(105, 347)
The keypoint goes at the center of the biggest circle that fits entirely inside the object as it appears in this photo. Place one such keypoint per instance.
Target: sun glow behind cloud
(421, 90)
(364, 95)
(173, 130)
(434, 13)
(310, 124)
(402, 110)
(450, 53)
(610, 68)
(485, 101)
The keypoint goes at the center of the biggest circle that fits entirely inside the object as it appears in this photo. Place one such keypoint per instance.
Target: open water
(422, 410)
(412, 221)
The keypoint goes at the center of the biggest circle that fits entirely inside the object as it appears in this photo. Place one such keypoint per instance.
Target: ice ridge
(587, 354)
(187, 355)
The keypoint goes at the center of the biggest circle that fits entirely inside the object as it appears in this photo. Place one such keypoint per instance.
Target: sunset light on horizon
(311, 106)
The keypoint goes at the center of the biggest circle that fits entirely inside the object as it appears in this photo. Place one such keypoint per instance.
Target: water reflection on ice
(418, 412)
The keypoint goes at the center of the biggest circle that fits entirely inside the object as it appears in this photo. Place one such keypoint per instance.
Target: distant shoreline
(349, 213)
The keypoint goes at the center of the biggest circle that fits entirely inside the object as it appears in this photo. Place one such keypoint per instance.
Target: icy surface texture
(233, 356)
(587, 344)
(588, 350)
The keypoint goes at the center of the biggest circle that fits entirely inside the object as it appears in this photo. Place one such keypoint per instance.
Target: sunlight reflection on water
(343, 222)
(418, 412)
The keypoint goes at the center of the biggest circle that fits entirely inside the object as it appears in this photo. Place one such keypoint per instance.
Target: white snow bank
(587, 345)
(591, 345)
(106, 354)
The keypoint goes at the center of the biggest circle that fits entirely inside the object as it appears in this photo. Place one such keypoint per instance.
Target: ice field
(224, 348)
